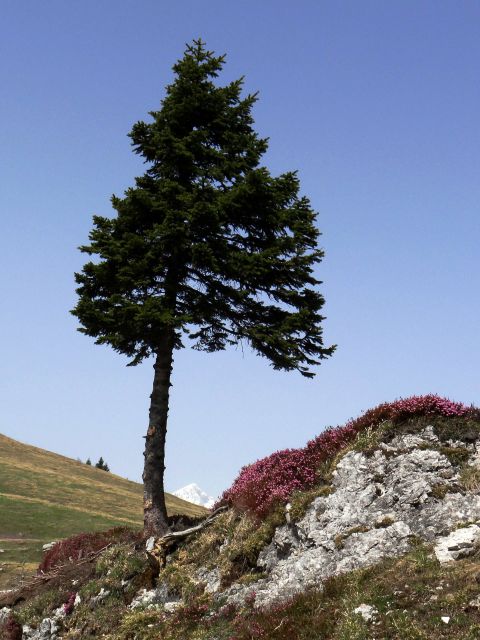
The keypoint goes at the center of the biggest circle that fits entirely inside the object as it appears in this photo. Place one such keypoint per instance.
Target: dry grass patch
(470, 478)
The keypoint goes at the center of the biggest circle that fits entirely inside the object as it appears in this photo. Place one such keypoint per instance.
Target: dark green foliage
(89, 462)
(207, 243)
(465, 429)
(42, 605)
(456, 455)
(101, 464)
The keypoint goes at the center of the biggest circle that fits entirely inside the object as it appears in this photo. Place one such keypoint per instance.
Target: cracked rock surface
(48, 630)
(458, 544)
(380, 504)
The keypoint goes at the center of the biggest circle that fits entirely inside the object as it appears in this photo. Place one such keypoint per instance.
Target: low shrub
(470, 478)
(42, 605)
(11, 629)
(412, 407)
(121, 562)
(82, 545)
(69, 605)
(146, 624)
(272, 480)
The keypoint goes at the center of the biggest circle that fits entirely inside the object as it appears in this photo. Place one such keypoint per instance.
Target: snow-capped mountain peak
(193, 493)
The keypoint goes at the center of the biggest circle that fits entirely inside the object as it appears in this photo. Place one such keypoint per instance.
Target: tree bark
(154, 508)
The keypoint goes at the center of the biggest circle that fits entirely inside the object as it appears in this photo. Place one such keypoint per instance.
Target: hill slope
(45, 496)
(384, 544)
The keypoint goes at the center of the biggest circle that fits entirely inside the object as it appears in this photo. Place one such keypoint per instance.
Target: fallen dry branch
(178, 535)
(32, 583)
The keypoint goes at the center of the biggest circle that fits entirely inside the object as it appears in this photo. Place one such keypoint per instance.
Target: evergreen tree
(207, 245)
(89, 462)
(101, 464)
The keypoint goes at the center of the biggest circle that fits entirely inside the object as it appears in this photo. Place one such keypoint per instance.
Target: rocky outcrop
(381, 503)
(154, 598)
(383, 497)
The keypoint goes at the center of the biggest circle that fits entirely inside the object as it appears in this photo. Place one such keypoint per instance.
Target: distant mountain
(193, 493)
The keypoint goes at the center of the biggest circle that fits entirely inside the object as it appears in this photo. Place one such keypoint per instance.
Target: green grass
(45, 497)
(410, 595)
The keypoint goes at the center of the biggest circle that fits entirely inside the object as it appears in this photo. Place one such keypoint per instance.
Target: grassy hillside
(412, 597)
(45, 496)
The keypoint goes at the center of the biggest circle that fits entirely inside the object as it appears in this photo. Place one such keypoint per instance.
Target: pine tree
(101, 464)
(88, 462)
(207, 246)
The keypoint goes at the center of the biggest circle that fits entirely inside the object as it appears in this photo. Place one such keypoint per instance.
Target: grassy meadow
(45, 497)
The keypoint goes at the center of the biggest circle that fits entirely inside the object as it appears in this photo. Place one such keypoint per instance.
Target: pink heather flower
(272, 480)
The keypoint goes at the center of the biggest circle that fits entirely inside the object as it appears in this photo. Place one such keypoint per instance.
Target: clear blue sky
(375, 103)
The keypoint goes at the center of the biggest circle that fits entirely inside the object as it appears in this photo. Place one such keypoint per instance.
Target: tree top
(207, 244)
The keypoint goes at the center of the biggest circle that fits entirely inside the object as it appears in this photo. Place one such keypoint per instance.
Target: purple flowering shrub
(11, 629)
(82, 545)
(412, 407)
(69, 605)
(272, 480)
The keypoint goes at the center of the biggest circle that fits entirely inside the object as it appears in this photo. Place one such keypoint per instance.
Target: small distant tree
(89, 462)
(207, 245)
(101, 464)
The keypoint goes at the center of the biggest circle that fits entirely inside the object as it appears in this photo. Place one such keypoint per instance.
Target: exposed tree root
(168, 543)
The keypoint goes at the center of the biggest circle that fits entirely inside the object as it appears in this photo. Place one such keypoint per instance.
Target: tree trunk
(154, 509)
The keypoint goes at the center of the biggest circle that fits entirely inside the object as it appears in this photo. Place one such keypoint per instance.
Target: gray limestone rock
(154, 598)
(4, 613)
(367, 612)
(99, 598)
(48, 630)
(211, 579)
(458, 544)
(474, 604)
(380, 503)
